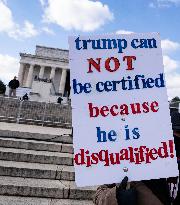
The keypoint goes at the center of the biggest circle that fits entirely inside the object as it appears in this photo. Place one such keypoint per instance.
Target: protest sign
(120, 111)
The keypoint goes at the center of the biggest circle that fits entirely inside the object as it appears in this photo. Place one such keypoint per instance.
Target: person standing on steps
(13, 85)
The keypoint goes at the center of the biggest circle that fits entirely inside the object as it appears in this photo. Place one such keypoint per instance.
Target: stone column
(52, 74)
(20, 74)
(63, 81)
(41, 73)
(30, 76)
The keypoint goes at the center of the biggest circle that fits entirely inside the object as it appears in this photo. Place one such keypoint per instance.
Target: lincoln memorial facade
(46, 73)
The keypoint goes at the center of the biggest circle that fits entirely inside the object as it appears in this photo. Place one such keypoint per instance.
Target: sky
(25, 24)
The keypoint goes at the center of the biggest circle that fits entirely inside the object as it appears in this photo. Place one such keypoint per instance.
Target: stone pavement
(34, 129)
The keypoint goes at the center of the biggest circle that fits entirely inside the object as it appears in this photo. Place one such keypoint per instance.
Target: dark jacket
(177, 146)
(13, 84)
(59, 100)
(160, 189)
(25, 97)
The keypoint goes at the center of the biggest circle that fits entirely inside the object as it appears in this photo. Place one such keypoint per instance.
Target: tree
(2, 87)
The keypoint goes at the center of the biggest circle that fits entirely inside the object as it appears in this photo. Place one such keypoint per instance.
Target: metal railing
(35, 113)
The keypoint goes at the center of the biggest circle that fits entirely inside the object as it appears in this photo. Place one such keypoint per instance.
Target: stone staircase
(37, 169)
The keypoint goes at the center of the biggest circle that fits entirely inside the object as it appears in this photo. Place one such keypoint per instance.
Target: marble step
(14, 200)
(45, 188)
(35, 170)
(35, 145)
(64, 135)
(42, 157)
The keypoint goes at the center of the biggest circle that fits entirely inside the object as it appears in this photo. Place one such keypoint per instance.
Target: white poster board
(120, 111)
